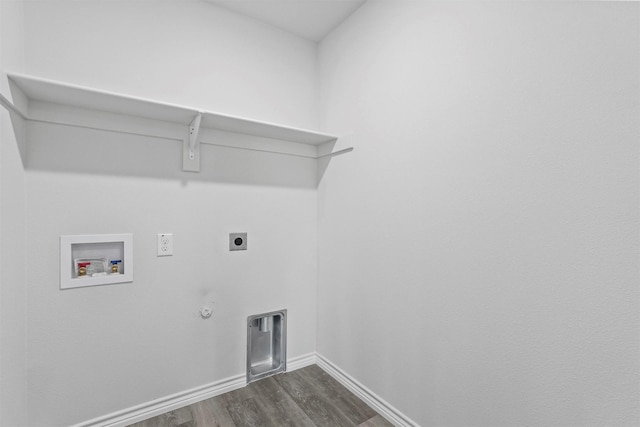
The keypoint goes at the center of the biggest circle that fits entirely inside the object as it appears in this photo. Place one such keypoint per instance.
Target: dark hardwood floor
(305, 397)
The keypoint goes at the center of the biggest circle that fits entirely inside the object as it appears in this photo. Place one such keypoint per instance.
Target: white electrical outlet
(165, 244)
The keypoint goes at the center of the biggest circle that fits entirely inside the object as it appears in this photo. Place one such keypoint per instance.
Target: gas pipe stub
(206, 312)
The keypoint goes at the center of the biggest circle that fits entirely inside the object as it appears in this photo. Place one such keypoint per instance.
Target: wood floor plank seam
(307, 397)
(340, 400)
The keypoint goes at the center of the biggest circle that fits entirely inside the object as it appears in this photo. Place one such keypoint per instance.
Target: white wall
(93, 351)
(478, 252)
(13, 365)
(185, 52)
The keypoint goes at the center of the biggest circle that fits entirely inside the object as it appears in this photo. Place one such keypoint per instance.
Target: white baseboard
(169, 403)
(301, 361)
(387, 411)
(166, 404)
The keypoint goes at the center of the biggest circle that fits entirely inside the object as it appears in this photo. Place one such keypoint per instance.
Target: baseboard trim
(382, 407)
(301, 361)
(184, 398)
(169, 403)
(166, 404)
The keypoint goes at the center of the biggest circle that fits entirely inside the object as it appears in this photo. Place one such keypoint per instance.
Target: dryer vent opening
(266, 344)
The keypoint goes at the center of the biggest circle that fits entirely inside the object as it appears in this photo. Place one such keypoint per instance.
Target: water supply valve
(114, 265)
(82, 268)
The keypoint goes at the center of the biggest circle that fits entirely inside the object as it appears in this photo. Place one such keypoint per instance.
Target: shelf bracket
(11, 107)
(194, 129)
(191, 147)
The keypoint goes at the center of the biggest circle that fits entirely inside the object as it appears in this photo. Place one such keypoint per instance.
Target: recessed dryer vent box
(93, 260)
(266, 344)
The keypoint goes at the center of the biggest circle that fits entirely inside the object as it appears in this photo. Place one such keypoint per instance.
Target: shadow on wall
(69, 149)
(19, 126)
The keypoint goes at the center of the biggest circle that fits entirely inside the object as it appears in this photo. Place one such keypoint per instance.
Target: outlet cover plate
(165, 244)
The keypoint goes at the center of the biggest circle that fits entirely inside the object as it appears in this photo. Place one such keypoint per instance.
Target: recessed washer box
(95, 259)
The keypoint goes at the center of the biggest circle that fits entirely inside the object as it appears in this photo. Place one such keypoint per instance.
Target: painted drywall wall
(94, 351)
(13, 364)
(181, 52)
(503, 230)
(478, 252)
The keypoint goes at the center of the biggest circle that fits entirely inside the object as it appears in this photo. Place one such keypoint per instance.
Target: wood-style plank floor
(305, 397)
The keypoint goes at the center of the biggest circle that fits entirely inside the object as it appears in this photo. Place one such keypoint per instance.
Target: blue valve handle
(115, 261)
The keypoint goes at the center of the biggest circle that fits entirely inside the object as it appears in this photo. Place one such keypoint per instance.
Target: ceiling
(309, 19)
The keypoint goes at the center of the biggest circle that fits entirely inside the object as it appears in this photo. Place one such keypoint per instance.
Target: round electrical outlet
(237, 241)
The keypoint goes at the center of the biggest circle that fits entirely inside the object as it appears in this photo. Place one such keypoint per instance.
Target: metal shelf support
(191, 147)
